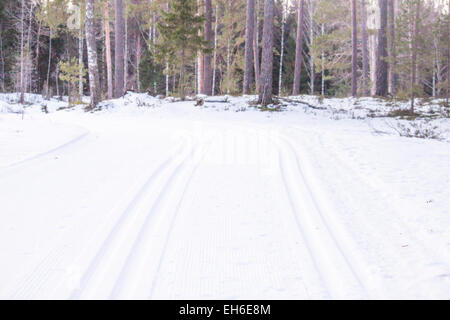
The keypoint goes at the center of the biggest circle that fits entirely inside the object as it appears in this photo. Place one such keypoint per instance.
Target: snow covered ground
(151, 199)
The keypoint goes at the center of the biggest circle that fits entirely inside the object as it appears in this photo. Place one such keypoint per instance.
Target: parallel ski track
(126, 215)
(172, 223)
(323, 246)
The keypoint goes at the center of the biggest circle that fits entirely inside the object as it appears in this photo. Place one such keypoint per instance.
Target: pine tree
(381, 85)
(207, 69)
(299, 49)
(354, 50)
(365, 50)
(108, 51)
(266, 77)
(248, 55)
(179, 35)
(70, 71)
(119, 49)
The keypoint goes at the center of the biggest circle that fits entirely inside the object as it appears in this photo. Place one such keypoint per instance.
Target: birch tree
(94, 82)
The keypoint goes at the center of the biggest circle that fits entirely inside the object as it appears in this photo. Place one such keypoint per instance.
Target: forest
(340, 48)
(225, 149)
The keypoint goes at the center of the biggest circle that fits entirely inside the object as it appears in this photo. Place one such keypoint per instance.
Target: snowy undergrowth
(383, 116)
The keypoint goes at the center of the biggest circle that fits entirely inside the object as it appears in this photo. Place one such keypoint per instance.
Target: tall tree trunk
(28, 56)
(138, 60)
(256, 47)
(80, 62)
(265, 82)
(167, 79)
(392, 54)
(311, 43)
(22, 54)
(354, 51)
(415, 33)
(2, 59)
(322, 91)
(182, 94)
(108, 51)
(228, 66)
(49, 62)
(283, 27)
(125, 52)
(382, 66)
(119, 49)
(207, 70)
(213, 92)
(57, 80)
(298, 50)
(365, 50)
(248, 55)
(448, 57)
(200, 61)
(94, 83)
(36, 58)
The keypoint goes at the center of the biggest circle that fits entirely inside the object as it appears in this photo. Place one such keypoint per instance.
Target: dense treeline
(339, 48)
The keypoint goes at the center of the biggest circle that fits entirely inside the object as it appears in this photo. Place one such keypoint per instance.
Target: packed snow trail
(194, 204)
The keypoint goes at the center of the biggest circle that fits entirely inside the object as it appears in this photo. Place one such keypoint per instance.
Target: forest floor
(151, 198)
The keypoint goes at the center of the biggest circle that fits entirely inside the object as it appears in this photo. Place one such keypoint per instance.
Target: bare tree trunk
(392, 54)
(201, 78)
(382, 66)
(49, 62)
(323, 64)
(249, 29)
(94, 82)
(2, 58)
(256, 47)
(119, 49)
(80, 63)
(265, 82)
(298, 50)
(108, 51)
(415, 33)
(311, 43)
(213, 92)
(22, 57)
(448, 57)
(138, 61)
(182, 94)
(57, 79)
(207, 70)
(36, 59)
(365, 50)
(167, 79)
(228, 66)
(283, 27)
(28, 55)
(354, 51)
(125, 52)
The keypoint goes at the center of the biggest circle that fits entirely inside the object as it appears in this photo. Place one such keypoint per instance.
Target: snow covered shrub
(423, 129)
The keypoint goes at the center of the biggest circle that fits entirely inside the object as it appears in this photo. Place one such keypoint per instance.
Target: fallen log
(300, 102)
